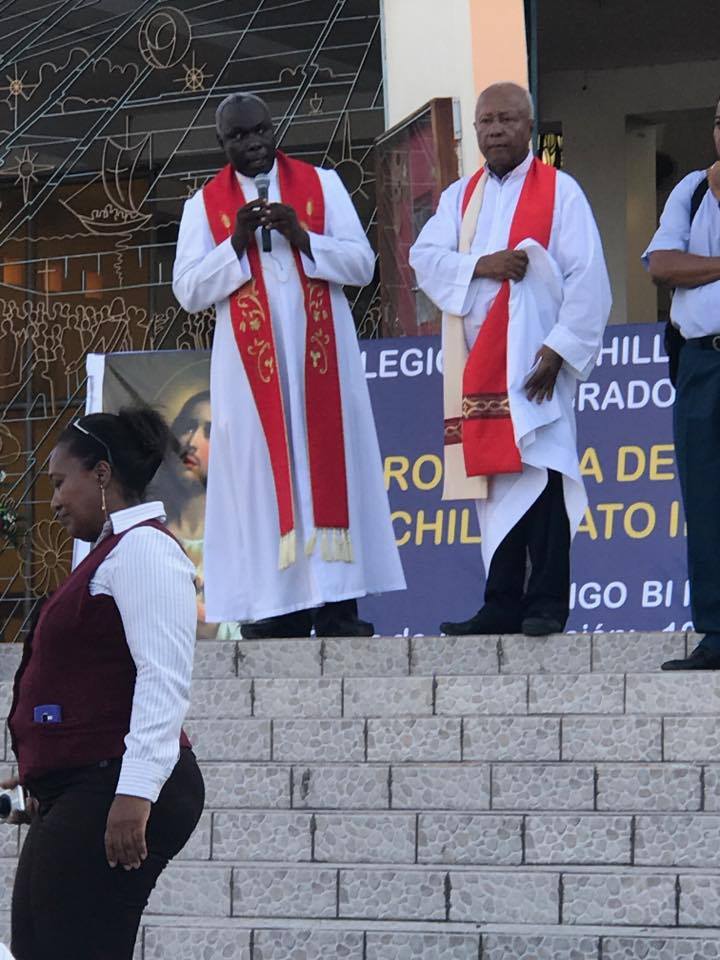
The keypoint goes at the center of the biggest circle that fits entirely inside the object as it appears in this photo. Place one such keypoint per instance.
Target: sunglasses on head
(93, 436)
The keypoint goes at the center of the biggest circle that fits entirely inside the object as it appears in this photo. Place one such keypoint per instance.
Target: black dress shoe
(700, 659)
(540, 626)
(287, 625)
(339, 618)
(346, 628)
(484, 623)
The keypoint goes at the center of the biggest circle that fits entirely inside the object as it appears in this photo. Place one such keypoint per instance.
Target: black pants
(697, 449)
(541, 537)
(67, 903)
(326, 619)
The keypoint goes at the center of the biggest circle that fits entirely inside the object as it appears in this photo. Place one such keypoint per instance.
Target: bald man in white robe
(514, 259)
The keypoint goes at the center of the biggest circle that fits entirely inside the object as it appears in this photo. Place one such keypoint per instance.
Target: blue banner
(628, 558)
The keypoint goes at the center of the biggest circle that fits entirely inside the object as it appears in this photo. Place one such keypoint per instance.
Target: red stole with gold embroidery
(487, 431)
(252, 324)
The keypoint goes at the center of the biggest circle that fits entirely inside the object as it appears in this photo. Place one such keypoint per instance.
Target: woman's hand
(31, 804)
(125, 831)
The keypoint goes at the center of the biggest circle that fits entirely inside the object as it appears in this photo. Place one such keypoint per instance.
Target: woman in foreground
(99, 701)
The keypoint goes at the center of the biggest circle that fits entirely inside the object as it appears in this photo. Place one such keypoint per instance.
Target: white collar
(122, 520)
(519, 171)
(272, 174)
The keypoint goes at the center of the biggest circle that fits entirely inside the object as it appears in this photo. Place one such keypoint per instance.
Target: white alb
(563, 302)
(242, 579)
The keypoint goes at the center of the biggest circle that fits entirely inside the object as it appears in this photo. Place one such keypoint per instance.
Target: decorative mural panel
(107, 124)
(416, 160)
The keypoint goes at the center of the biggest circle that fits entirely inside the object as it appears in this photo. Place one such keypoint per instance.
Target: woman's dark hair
(133, 441)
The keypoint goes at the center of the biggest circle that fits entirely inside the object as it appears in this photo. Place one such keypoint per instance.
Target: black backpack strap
(674, 341)
(697, 198)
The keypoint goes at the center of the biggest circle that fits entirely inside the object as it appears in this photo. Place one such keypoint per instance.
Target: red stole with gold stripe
(252, 324)
(487, 431)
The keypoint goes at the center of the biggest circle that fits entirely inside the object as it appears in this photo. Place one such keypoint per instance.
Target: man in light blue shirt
(685, 254)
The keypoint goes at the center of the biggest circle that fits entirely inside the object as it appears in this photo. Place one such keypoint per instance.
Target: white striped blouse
(152, 582)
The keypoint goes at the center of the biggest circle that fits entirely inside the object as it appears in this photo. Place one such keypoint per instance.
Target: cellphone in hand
(12, 801)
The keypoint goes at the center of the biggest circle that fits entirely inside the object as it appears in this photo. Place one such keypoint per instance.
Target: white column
(450, 48)
(640, 150)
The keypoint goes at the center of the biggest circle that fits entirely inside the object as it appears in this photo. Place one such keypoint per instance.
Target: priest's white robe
(242, 579)
(563, 302)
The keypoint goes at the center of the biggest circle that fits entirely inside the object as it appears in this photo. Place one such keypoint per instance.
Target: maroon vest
(77, 657)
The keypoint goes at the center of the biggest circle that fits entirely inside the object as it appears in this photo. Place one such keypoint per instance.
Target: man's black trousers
(697, 451)
(67, 903)
(329, 619)
(529, 574)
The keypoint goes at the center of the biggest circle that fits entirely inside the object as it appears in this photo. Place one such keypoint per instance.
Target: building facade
(107, 126)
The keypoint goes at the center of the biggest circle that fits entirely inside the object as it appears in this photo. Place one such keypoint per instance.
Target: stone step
(467, 786)
(182, 937)
(453, 739)
(534, 695)
(178, 939)
(569, 839)
(489, 895)
(433, 698)
(425, 656)
(593, 695)
(611, 897)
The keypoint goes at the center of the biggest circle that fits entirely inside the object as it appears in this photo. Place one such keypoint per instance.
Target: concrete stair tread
(424, 926)
(375, 939)
(469, 812)
(443, 696)
(379, 866)
(389, 940)
(422, 656)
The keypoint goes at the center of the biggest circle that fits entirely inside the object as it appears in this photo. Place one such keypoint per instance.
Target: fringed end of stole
(287, 550)
(335, 544)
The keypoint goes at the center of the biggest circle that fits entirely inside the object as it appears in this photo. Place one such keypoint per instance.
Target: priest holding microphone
(298, 522)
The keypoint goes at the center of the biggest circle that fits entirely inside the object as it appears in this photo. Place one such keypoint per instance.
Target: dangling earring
(102, 501)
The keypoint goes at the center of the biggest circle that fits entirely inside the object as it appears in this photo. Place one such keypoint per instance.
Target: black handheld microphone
(262, 184)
